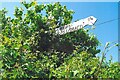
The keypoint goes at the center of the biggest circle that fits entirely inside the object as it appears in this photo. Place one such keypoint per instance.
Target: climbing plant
(30, 48)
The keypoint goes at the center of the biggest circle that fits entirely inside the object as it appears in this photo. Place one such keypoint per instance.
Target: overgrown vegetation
(30, 48)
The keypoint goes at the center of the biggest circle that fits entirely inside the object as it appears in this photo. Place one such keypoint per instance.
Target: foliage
(83, 65)
(30, 48)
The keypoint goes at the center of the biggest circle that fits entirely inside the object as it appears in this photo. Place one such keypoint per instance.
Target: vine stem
(103, 56)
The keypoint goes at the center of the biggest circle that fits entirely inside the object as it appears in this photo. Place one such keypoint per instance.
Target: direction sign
(76, 25)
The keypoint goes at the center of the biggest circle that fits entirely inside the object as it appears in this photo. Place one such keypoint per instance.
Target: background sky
(62, 0)
(103, 11)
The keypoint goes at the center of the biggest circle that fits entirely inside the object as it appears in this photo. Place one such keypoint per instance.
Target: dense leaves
(29, 47)
(83, 65)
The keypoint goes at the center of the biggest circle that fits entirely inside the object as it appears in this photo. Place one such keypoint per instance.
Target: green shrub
(30, 48)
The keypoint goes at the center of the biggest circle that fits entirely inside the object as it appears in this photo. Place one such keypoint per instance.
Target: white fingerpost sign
(76, 25)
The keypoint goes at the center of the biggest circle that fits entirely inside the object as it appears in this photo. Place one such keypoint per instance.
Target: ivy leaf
(75, 72)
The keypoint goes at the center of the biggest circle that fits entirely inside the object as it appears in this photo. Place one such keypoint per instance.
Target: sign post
(76, 25)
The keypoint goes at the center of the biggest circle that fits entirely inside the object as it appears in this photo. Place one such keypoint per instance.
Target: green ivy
(29, 47)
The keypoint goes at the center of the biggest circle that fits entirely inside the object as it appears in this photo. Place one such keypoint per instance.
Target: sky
(62, 0)
(103, 11)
